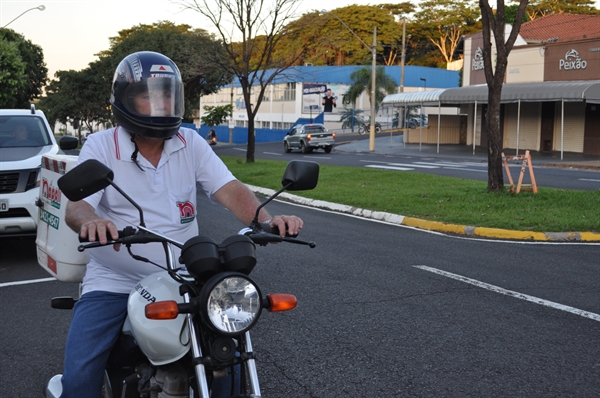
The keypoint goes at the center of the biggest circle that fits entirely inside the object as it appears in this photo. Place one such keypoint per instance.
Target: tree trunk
(493, 22)
(492, 122)
(250, 147)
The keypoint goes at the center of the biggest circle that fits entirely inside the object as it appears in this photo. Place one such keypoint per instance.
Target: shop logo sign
(572, 61)
(477, 62)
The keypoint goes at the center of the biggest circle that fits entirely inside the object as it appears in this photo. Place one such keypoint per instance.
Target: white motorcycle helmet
(162, 341)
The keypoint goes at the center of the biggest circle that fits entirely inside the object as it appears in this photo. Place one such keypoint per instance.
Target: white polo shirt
(166, 193)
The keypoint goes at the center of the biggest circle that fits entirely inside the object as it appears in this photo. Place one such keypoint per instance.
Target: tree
(250, 55)
(541, 8)
(494, 76)
(443, 22)
(12, 73)
(216, 115)
(361, 82)
(30, 83)
(351, 118)
(77, 95)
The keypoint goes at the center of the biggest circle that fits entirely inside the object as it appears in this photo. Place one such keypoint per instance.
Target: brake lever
(310, 244)
(91, 245)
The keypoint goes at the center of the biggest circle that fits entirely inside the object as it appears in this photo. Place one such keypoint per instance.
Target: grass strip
(435, 198)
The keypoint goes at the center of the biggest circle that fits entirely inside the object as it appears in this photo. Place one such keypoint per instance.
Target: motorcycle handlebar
(262, 235)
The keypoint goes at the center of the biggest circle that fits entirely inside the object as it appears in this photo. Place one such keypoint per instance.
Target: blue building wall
(240, 134)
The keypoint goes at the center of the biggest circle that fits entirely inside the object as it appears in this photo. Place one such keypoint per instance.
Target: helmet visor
(155, 97)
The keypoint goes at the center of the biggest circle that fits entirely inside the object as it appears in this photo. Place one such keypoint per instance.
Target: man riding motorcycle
(160, 163)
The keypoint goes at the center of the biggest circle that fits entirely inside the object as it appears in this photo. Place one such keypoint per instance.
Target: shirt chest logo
(187, 212)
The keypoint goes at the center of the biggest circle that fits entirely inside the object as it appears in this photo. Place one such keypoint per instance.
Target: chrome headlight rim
(207, 300)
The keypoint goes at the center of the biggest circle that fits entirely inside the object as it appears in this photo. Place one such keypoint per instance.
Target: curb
(484, 232)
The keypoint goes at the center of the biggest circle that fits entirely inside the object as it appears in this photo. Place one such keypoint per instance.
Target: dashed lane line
(511, 293)
(27, 282)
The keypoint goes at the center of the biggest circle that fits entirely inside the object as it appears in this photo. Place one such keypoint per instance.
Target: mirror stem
(130, 201)
(255, 222)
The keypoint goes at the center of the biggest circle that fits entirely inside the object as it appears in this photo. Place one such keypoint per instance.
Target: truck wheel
(328, 149)
(304, 148)
(286, 147)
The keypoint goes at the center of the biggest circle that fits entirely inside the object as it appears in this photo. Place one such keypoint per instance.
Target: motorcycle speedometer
(231, 303)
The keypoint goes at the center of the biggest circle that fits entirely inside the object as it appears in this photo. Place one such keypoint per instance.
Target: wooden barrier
(526, 163)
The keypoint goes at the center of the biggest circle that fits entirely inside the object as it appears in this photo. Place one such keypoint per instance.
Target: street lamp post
(425, 83)
(373, 50)
(41, 8)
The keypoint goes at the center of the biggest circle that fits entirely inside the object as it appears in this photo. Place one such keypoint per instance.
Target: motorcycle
(211, 138)
(187, 331)
(366, 128)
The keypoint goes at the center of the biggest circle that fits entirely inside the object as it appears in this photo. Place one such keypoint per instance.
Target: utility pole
(403, 54)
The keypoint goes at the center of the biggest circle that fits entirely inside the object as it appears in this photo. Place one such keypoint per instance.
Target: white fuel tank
(162, 341)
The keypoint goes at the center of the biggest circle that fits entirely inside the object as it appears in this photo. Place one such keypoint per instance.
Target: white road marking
(273, 153)
(375, 166)
(240, 149)
(27, 282)
(588, 179)
(460, 168)
(526, 297)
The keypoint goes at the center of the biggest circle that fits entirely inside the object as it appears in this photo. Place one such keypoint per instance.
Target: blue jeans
(97, 322)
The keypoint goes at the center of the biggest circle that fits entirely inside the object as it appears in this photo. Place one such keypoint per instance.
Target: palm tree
(361, 79)
(351, 118)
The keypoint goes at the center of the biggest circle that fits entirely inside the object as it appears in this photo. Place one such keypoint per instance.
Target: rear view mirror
(86, 179)
(300, 175)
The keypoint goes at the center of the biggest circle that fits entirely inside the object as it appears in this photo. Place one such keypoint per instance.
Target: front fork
(200, 370)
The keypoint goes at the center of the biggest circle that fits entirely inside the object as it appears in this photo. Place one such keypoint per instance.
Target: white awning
(431, 97)
(588, 91)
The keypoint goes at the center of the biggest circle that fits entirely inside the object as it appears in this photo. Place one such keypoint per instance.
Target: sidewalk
(386, 145)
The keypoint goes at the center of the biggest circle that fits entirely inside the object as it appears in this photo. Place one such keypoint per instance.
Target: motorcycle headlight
(231, 303)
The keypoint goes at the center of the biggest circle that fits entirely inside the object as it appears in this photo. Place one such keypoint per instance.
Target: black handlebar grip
(127, 231)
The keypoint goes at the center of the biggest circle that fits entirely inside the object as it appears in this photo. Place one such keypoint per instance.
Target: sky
(70, 32)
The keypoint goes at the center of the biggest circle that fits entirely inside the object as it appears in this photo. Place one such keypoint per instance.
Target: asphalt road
(372, 321)
(448, 164)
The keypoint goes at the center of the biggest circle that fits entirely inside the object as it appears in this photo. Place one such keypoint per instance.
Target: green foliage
(217, 114)
(325, 40)
(22, 86)
(361, 81)
(436, 198)
(78, 95)
(12, 73)
(437, 28)
(351, 118)
(540, 8)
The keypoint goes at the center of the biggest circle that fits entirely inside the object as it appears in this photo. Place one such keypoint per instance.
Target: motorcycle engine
(170, 381)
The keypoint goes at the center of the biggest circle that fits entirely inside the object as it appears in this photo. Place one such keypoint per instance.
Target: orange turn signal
(162, 310)
(282, 302)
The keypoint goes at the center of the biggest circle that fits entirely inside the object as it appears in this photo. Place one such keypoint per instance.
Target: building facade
(552, 57)
(296, 95)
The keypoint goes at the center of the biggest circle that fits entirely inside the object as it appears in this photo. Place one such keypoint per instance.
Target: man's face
(155, 104)
(329, 93)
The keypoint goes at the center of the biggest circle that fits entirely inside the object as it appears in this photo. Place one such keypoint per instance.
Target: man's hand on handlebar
(99, 230)
(291, 224)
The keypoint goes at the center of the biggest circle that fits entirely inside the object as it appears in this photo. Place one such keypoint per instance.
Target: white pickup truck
(25, 137)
